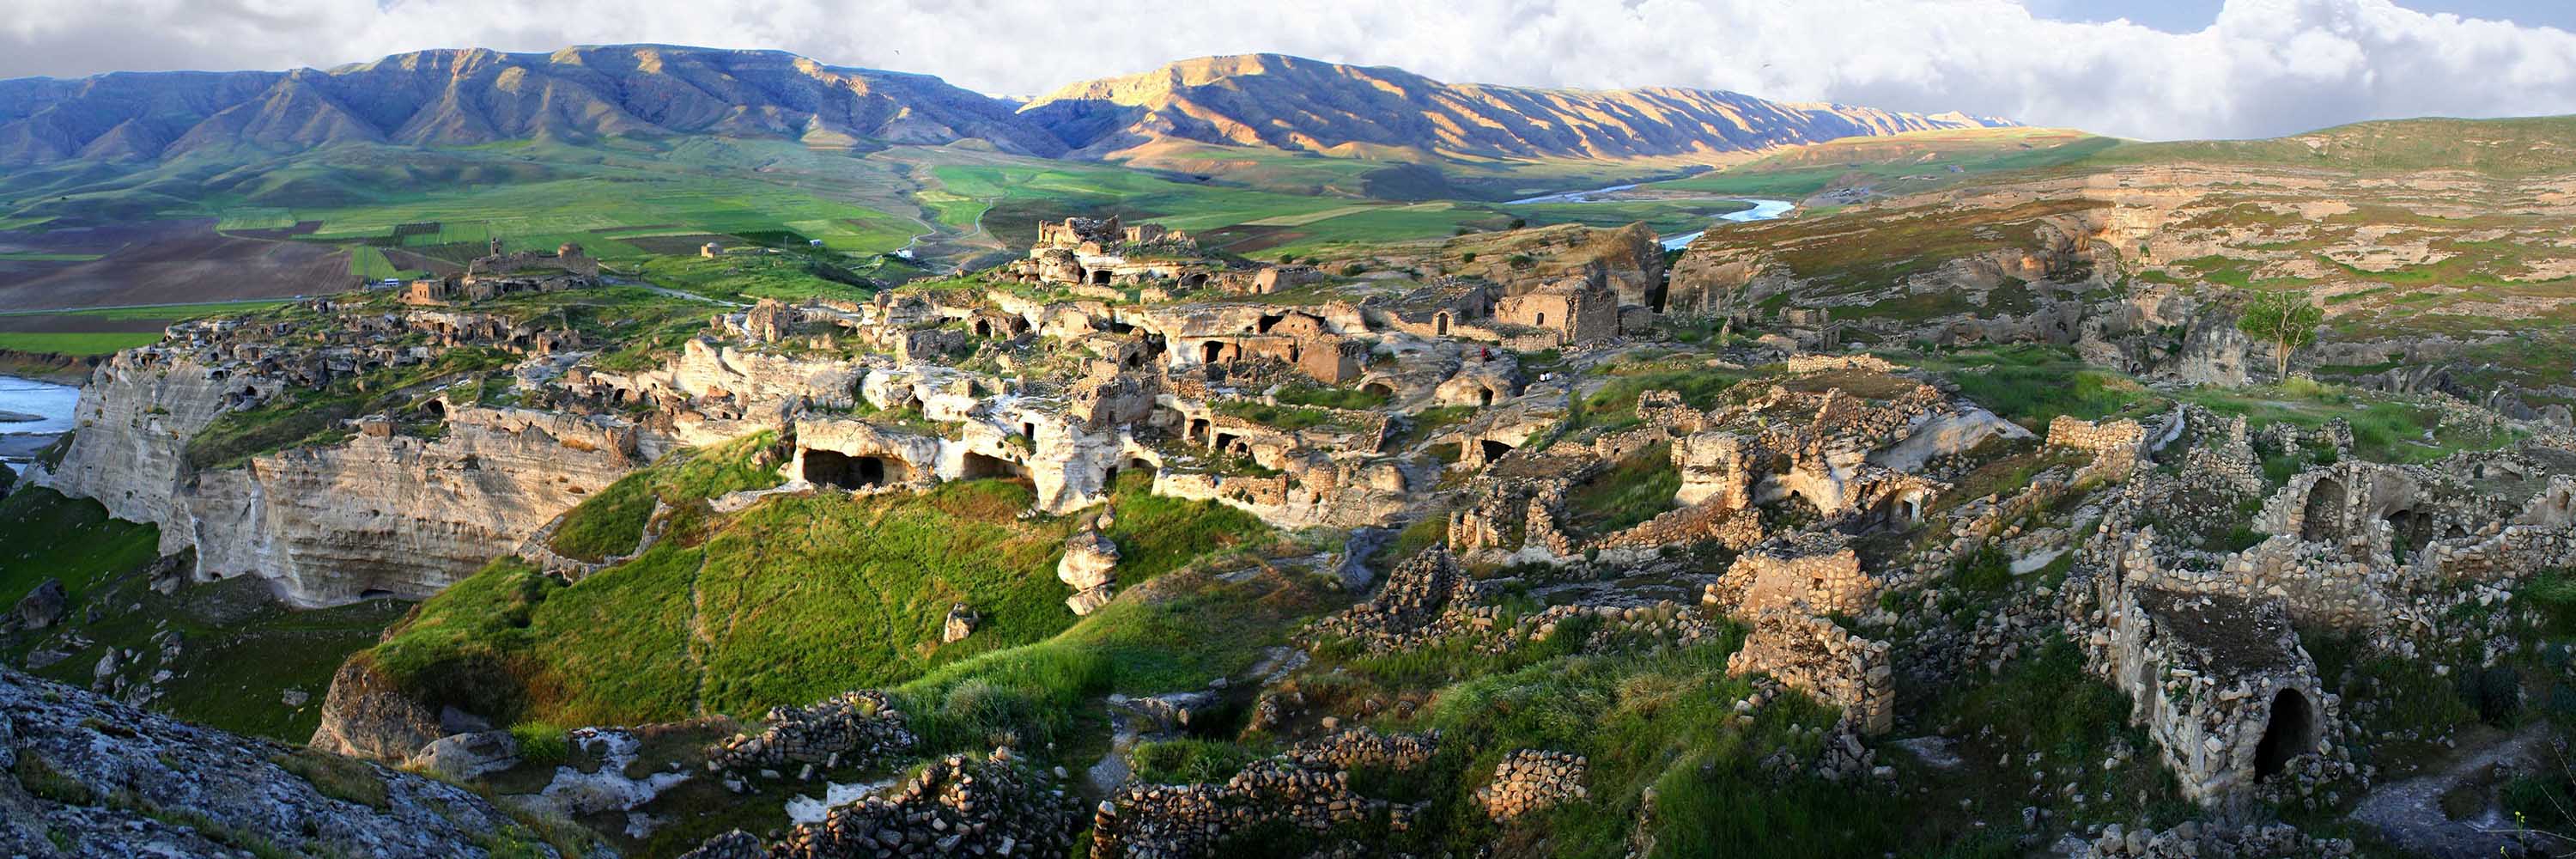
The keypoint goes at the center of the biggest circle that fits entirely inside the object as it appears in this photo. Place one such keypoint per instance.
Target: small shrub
(541, 744)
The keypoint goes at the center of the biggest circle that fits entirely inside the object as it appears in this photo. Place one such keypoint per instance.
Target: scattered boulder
(465, 756)
(961, 623)
(364, 716)
(1090, 560)
(42, 607)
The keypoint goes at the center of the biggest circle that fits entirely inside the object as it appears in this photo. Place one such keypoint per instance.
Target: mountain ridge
(471, 96)
(1245, 99)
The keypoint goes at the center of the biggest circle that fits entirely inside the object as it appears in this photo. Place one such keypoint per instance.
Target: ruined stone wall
(1804, 364)
(994, 805)
(1833, 664)
(1813, 572)
(2115, 445)
(1532, 780)
(855, 728)
(2209, 676)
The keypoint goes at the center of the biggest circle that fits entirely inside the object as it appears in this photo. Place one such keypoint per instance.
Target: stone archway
(1209, 350)
(2289, 731)
(2321, 519)
(1440, 325)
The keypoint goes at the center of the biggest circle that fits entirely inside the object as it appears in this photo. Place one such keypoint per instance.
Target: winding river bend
(1763, 210)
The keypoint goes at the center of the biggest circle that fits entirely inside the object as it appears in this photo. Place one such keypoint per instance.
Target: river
(49, 404)
(1763, 210)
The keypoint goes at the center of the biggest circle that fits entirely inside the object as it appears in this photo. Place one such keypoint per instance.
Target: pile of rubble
(2193, 840)
(1530, 780)
(839, 731)
(957, 806)
(1307, 788)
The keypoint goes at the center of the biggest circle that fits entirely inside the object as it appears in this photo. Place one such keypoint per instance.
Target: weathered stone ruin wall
(1811, 572)
(858, 728)
(995, 805)
(2220, 683)
(2115, 445)
(1813, 655)
(1532, 780)
(1307, 787)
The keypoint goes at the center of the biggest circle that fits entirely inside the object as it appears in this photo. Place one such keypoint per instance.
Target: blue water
(52, 403)
(1763, 210)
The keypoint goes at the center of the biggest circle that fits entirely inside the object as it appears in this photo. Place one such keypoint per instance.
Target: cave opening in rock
(1100, 277)
(2289, 732)
(978, 466)
(1209, 350)
(1493, 450)
(834, 468)
(1484, 396)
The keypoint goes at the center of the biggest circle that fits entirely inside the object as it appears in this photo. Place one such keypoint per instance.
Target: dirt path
(2409, 813)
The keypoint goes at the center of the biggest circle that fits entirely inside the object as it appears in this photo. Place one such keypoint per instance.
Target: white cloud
(2263, 67)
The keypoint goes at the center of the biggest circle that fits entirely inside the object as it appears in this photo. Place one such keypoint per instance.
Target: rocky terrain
(95, 778)
(1980, 516)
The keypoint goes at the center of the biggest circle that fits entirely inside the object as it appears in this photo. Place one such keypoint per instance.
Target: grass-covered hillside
(789, 601)
(238, 660)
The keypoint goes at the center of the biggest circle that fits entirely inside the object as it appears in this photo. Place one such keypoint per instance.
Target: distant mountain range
(1253, 102)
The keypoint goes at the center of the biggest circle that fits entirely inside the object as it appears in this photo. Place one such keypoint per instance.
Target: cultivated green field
(70, 343)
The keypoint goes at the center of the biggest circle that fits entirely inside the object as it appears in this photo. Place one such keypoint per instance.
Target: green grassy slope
(792, 600)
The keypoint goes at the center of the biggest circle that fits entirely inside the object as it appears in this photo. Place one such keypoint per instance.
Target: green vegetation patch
(75, 343)
(790, 601)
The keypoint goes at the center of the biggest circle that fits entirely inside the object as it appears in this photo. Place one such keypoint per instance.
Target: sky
(2163, 69)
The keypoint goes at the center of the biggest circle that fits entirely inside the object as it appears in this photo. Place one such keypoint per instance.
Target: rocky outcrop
(365, 716)
(395, 514)
(384, 513)
(40, 608)
(97, 778)
(1089, 563)
(135, 418)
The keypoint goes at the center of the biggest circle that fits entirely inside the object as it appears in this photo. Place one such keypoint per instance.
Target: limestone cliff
(394, 514)
(382, 513)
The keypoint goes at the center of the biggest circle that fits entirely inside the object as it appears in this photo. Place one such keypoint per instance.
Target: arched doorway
(2291, 731)
(2321, 520)
(1209, 350)
(1440, 325)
